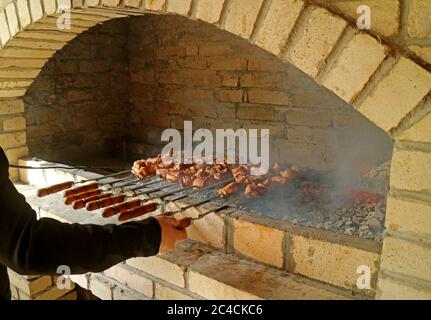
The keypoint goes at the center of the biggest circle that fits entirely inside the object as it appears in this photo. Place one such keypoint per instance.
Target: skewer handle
(77, 190)
(43, 192)
(79, 204)
(105, 202)
(117, 208)
(70, 199)
(137, 212)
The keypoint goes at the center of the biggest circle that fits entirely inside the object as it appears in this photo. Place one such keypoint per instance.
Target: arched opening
(113, 89)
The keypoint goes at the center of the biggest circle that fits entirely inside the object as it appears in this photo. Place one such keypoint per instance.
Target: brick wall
(182, 70)
(80, 97)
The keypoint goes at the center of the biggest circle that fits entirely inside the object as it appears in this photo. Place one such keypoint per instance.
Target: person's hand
(173, 231)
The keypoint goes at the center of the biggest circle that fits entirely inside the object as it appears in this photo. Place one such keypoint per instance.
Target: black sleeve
(31, 246)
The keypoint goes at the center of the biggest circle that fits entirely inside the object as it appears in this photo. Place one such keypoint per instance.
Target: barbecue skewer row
(150, 207)
(141, 207)
(219, 208)
(95, 185)
(142, 210)
(87, 190)
(43, 192)
(187, 222)
(81, 194)
(81, 199)
(91, 186)
(116, 199)
(90, 191)
(95, 199)
(137, 182)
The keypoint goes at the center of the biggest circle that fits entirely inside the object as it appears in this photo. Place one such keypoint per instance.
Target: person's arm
(31, 246)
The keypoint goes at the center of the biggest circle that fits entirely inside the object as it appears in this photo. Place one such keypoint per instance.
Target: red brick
(165, 52)
(265, 64)
(79, 95)
(262, 80)
(230, 95)
(253, 112)
(230, 80)
(215, 49)
(268, 97)
(227, 63)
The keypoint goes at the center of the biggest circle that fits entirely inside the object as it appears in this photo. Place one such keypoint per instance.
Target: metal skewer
(121, 198)
(141, 206)
(68, 184)
(228, 204)
(137, 182)
(165, 194)
(202, 189)
(187, 222)
(193, 205)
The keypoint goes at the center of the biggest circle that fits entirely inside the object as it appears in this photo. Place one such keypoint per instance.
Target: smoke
(358, 148)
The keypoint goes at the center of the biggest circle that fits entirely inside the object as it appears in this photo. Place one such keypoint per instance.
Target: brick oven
(350, 107)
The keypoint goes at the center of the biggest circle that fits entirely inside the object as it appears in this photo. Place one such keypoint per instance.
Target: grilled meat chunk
(228, 190)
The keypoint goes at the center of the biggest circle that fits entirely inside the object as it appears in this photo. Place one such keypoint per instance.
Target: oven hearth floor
(211, 273)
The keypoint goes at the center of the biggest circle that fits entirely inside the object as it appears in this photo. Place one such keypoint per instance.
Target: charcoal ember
(347, 221)
(328, 224)
(338, 224)
(363, 227)
(310, 200)
(356, 220)
(374, 223)
(379, 213)
(349, 231)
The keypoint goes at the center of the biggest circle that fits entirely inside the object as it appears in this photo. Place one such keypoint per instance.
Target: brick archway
(378, 81)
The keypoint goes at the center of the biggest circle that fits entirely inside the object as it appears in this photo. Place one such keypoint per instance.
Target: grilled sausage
(81, 189)
(79, 204)
(70, 199)
(43, 192)
(117, 208)
(105, 202)
(137, 212)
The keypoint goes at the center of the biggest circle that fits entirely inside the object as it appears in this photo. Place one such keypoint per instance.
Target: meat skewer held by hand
(142, 210)
(75, 197)
(136, 204)
(79, 204)
(137, 211)
(105, 202)
(43, 192)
